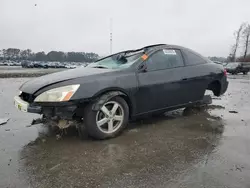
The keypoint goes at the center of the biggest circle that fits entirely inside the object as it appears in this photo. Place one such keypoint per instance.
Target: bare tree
(246, 39)
(237, 35)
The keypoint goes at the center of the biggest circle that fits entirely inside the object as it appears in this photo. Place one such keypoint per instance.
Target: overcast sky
(206, 26)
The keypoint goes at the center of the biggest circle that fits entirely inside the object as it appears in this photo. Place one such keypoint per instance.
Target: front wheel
(109, 121)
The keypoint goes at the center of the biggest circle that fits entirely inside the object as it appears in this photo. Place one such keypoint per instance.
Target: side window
(193, 58)
(165, 59)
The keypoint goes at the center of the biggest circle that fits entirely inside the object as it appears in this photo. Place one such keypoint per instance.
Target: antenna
(111, 35)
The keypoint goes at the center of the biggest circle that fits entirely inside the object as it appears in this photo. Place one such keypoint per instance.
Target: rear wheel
(109, 121)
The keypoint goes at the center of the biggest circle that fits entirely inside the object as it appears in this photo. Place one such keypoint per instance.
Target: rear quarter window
(193, 58)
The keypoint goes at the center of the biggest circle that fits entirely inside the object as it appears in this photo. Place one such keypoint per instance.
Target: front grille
(27, 97)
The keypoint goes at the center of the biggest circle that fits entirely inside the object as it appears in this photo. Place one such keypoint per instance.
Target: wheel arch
(215, 87)
(104, 95)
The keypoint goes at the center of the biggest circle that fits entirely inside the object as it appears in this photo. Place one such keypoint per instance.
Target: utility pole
(111, 35)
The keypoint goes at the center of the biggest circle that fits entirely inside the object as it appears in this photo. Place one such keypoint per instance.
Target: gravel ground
(194, 148)
(19, 72)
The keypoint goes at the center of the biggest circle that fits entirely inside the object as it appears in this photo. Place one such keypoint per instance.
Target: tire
(245, 73)
(92, 117)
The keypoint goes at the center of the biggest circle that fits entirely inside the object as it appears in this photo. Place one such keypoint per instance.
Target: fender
(104, 98)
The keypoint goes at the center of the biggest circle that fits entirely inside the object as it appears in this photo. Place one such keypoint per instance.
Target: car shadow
(167, 144)
(195, 118)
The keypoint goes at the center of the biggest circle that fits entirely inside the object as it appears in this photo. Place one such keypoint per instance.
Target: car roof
(148, 49)
(153, 47)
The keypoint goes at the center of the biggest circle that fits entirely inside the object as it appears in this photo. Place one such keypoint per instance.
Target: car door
(160, 84)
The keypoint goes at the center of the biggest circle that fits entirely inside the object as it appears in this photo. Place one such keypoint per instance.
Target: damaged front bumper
(64, 111)
(24, 106)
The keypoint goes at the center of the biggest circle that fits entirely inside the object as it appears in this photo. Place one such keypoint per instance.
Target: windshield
(232, 65)
(117, 61)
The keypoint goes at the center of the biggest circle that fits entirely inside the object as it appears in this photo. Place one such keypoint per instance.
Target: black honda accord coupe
(106, 94)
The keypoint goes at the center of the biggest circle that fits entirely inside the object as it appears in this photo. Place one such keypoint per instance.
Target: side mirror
(142, 68)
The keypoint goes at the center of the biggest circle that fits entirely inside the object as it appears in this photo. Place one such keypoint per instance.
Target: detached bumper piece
(24, 106)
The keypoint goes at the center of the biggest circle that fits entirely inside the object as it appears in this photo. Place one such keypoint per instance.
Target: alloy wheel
(110, 117)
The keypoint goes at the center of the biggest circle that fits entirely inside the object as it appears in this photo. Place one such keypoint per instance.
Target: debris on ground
(36, 121)
(233, 112)
(7, 129)
(63, 124)
(3, 121)
(58, 136)
(9, 162)
(237, 168)
(54, 167)
(133, 130)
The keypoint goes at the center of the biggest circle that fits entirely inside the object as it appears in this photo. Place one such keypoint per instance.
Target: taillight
(225, 72)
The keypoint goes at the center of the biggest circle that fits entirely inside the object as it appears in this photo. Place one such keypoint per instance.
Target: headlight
(58, 94)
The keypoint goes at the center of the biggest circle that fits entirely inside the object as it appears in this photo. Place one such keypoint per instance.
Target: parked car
(106, 94)
(220, 63)
(24, 64)
(70, 66)
(31, 64)
(238, 67)
(10, 63)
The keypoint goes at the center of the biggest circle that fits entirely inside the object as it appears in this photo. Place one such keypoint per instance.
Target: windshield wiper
(100, 66)
(122, 58)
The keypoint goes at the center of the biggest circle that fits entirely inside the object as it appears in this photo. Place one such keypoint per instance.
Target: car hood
(34, 85)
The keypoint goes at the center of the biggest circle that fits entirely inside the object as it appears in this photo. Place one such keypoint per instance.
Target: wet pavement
(198, 147)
